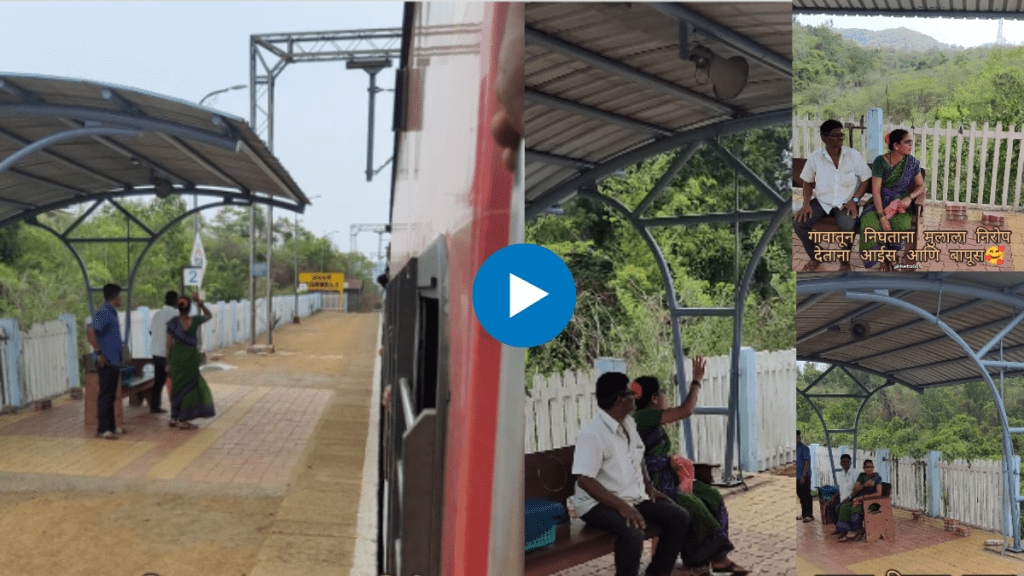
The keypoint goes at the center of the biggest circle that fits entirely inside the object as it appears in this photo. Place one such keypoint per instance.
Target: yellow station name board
(323, 280)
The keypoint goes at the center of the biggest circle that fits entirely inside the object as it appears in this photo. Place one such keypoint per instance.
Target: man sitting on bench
(831, 175)
(613, 491)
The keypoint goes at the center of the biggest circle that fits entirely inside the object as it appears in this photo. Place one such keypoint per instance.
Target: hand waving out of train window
(508, 126)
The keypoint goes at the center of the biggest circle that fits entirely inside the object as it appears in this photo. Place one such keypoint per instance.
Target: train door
(413, 428)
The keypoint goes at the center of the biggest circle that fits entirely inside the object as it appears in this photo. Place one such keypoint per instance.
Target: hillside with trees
(621, 310)
(901, 39)
(960, 421)
(836, 77)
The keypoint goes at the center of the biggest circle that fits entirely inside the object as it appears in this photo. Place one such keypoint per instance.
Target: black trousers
(803, 491)
(671, 518)
(159, 381)
(832, 510)
(105, 400)
(845, 222)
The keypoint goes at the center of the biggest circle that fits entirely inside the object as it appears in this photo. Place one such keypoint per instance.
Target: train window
(426, 373)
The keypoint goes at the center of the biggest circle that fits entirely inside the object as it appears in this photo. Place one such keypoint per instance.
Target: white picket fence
(776, 372)
(45, 366)
(994, 184)
(44, 361)
(908, 476)
(559, 405)
(973, 490)
(230, 323)
(332, 301)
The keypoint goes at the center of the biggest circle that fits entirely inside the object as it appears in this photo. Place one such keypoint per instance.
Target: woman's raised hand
(699, 365)
(195, 298)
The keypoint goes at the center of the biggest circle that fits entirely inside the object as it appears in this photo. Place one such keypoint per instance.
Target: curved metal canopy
(924, 331)
(606, 86)
(64, 142)
(918, 8)
(900, 344)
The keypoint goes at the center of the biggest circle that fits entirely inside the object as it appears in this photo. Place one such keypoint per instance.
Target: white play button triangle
(522, 295)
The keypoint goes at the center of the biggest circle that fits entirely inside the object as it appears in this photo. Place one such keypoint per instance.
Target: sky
(963, 32)
(188, 49)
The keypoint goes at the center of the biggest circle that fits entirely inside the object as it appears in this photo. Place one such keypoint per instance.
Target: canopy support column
(643, 226)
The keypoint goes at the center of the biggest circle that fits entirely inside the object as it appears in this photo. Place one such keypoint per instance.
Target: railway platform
(274, 485)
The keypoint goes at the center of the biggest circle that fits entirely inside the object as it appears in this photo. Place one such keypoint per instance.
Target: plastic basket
(827, 492)
(541, 519)
(546, 538)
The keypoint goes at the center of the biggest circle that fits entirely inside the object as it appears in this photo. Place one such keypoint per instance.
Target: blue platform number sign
(192, 276)
(259, 269)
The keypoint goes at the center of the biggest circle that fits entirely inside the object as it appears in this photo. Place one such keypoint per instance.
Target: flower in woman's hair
(636, 389)
(886, 137)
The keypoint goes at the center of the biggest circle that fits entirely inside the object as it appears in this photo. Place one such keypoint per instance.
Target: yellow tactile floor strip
(181, 457)
(963, 556)
(807, 568)
(87, 457)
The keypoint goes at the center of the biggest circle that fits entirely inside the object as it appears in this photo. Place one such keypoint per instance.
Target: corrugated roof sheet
(603, 79)
(189, 145)
(901, 344)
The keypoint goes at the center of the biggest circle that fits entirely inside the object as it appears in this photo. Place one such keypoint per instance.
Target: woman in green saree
(895, 183)
(708, 541)
(190, 396)
(851, 513)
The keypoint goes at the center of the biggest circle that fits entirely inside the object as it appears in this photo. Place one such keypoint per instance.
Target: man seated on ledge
(613, 491)
(831, 176)
(846, 478)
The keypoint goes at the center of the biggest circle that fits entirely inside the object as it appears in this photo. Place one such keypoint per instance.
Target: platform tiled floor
(920, 547)
(934, 219)
(760, 526)
(268, 487)
(257, 437)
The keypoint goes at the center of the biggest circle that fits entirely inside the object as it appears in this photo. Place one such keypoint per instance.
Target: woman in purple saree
(895, 183)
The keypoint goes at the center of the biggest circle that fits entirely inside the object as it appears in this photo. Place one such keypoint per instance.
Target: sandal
(186, 426)
(702, 570)
(172, 423)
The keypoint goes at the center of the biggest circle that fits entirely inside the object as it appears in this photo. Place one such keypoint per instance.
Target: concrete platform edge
(364, 557)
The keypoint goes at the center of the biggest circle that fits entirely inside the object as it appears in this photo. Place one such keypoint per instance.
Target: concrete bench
(549, 477)
(136, 389)
(139, 385)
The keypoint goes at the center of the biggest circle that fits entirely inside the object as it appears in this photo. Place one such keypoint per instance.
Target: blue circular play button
(524, 295)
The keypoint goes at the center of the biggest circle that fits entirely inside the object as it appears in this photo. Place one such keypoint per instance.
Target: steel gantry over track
(607, 86)
(921, 332)
(379, 229)
(68, 142)
(269, 54)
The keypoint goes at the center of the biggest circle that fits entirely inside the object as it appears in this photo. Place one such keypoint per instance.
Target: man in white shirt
(613, 490)
(158, 347)
(846, 479)
(831, 176)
